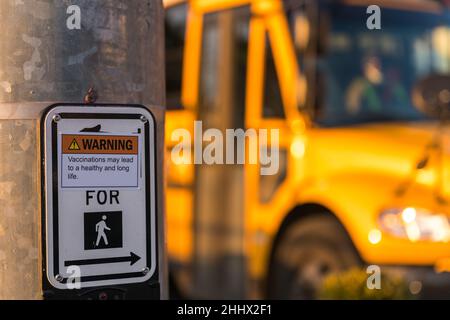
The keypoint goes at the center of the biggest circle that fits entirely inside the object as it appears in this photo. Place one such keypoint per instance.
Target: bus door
(205, 200)
(219, 210)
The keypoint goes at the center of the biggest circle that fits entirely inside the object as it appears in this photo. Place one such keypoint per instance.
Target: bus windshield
(368, 75)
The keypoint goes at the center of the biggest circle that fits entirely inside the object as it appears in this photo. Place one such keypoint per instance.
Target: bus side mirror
(431, 95)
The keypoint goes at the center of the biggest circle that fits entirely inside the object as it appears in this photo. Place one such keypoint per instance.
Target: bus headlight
(416, 224)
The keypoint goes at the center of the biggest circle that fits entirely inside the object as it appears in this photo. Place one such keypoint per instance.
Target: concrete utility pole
(58, 51)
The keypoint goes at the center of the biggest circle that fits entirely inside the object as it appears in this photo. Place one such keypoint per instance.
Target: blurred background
(364, 175)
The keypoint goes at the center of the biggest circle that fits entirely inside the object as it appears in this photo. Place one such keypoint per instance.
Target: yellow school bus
(360, 180)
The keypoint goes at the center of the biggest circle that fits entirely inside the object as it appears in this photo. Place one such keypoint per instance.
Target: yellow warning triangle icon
(74, 146)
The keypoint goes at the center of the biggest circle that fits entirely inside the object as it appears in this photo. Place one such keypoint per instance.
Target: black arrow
(132, 258)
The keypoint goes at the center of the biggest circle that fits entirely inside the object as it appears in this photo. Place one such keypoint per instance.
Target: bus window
(369, 76)
(303, 21)
(273, 104)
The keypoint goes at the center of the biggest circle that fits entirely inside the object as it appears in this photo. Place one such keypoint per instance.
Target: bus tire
(306, 252)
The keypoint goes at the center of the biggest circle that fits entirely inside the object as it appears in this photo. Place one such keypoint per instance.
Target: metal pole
(46, 59)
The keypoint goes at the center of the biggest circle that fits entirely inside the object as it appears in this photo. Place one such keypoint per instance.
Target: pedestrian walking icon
(100, 229)
(103, 230)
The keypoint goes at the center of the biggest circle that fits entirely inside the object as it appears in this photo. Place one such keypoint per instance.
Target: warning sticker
(95, 144)
(99, 161)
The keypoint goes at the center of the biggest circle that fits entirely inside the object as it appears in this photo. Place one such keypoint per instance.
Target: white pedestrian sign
(100, 229)
(100, 206)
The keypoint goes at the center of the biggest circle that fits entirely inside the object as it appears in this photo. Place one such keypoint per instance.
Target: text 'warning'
(76, 144)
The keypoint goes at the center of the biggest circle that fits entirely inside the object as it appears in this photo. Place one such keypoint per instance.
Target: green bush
(352, 285)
